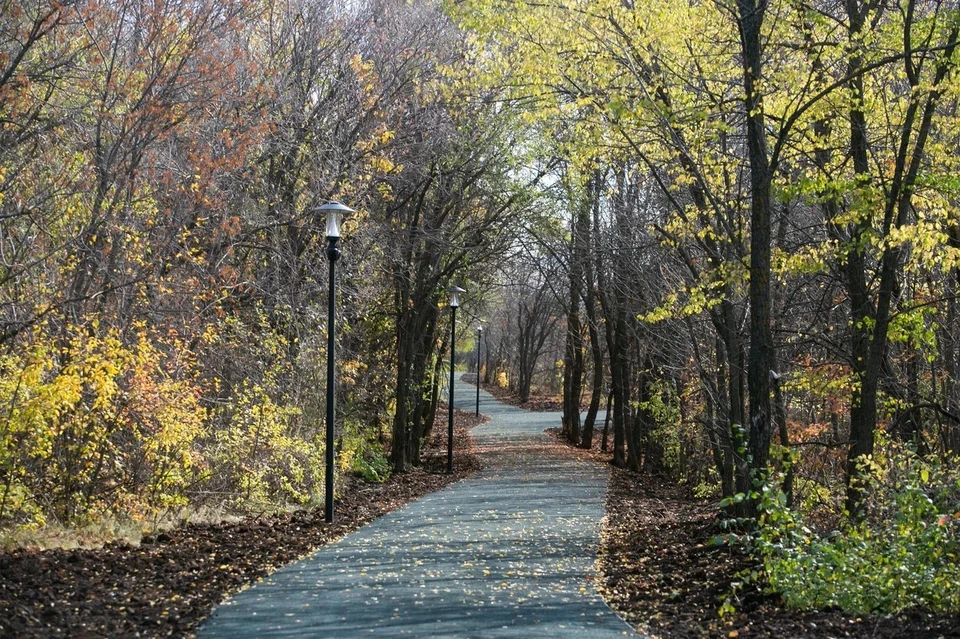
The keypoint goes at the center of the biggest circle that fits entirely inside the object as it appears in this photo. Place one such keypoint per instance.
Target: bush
(93, 425)
(364, 457)
(259, 455)
(905, 554)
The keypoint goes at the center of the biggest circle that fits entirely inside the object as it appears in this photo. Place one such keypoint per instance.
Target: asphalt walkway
(504, 553)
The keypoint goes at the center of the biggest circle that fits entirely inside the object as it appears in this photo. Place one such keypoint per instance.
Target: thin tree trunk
(606, 422)
(573, 355)
(590, 303)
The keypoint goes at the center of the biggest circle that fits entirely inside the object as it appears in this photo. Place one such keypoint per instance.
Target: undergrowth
(905, 552)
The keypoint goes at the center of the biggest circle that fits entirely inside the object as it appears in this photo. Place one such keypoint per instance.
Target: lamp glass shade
(455, 296)
(333, 223)
(334, 212)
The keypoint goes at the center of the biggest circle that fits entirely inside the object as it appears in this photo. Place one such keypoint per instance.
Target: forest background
(734, 224)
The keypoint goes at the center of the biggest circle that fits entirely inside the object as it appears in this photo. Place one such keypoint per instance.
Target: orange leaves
(829, 383)
(230, 225)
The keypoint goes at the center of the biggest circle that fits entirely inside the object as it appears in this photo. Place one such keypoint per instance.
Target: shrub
(905, 554)
(364, 456)
(259, 455)
(92, 425)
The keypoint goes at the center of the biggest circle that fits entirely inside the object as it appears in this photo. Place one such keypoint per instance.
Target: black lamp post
(334, 211)
(479, 335)
(454, 304)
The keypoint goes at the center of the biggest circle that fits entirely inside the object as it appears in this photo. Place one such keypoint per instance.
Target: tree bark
(573, 353)
(590, 303)
(761, 359)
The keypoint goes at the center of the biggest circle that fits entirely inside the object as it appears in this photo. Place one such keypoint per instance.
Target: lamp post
(454, 304)
(479, 335)
(334, 212)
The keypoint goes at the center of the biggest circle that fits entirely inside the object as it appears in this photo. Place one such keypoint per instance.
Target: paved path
(503, 553)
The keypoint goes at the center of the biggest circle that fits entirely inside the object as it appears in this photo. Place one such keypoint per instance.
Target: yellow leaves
(366, 75)
(360, 66)
(350, 369)
(257, 449)
(375, 156)
(385, 192)
(566, 61)
(167, 413)
(926, 240)
(380, 164)
(695, 300)
(805, 260)
(89, 409)
(56, 391)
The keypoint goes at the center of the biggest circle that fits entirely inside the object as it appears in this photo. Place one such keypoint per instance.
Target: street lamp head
(334, 211)
(479, 328)
(455, 295)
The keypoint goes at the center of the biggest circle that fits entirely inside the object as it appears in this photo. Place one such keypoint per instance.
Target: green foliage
(672, 435)
(915, 328)
(364, 457)
(905, 554)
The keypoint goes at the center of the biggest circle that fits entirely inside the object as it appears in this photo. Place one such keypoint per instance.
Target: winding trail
(507, 552)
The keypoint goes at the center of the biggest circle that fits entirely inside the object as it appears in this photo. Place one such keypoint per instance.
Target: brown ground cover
(170, 582)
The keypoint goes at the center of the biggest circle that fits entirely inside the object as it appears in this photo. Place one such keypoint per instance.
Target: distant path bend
(508, 552)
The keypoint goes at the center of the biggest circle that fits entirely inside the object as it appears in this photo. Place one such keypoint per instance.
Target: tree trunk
(596, 391)
(590, 303)
(573, 353)
(431, 413)
(606, 422)
(761, 362)
(415, 348)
